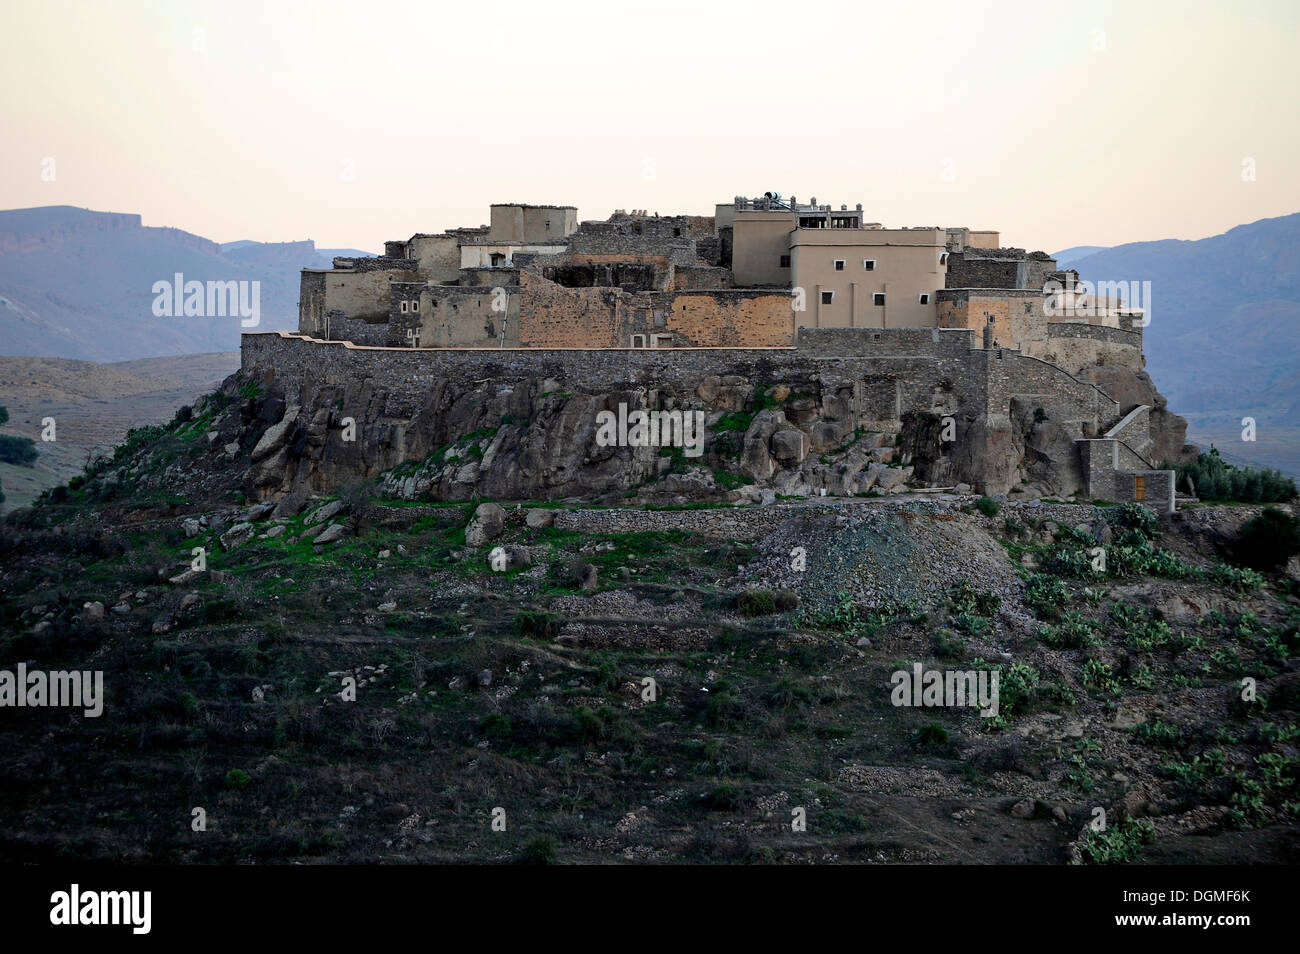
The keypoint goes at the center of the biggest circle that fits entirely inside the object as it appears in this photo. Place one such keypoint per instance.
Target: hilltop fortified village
(829, 354)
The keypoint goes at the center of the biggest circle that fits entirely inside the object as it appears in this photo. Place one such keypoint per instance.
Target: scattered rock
(540, 518)
(323, 513)
(236, 536)
(331, 534)
(488, 523)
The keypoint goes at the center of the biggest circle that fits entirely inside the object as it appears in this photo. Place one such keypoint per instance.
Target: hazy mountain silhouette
(1225, 316)
(78, 284)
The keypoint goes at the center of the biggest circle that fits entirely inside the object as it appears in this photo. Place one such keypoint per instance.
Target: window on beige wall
(869, 264)
(839, 264)
(828, 297)
(878, 298)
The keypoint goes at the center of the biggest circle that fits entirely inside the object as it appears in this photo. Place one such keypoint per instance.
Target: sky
(1058, 124)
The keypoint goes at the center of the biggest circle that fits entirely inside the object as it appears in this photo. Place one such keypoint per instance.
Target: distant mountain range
(1224, 337)
(79, 284)
(1225, 316)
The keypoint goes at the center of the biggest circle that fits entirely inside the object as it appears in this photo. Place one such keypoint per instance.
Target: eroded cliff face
(530, 440)
(522, 431)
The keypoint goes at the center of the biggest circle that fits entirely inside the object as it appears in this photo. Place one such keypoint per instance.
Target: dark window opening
(878, 299)
(828, 297)
(785, 261)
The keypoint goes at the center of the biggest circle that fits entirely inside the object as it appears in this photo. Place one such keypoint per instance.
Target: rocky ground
(361, 677)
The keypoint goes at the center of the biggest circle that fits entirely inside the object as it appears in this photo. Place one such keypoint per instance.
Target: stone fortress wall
(638, 299)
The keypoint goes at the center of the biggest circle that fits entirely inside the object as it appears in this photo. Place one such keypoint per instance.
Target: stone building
(1009, 329)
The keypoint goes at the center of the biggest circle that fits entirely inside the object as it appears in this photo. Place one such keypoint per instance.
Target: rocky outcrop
(526, 432)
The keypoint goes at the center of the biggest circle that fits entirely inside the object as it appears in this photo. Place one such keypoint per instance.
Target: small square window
(924, 298)
(785, 261)
(839, 264)
(869, 264)
(828, 297)
(878, 299)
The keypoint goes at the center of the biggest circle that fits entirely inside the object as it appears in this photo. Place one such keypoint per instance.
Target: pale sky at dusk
(1060, 123)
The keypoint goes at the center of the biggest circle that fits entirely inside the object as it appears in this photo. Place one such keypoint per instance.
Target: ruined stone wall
(1020, 320)
(364, 293)
(557, 317)
(676, 251)
(1075, 345)
(886, 342)
(729, 318)
(1007, 374)
(453, 316)
(357, 330)
(437, 257)
(311, 303)
(1007, 268)
(490, 277)
(877, 386)
(687, 277)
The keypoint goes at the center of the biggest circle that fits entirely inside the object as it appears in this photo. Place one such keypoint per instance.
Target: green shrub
(537, 623)
(1074, 632)
(756, 603)
(988, 506)
(1133, 523)
(766, 602)
(724, 798)
(1118, 843)
(237, 779)
(1099, 676)
(1045, 595)
(932, 735)
(1237, 578)
(947, 645)
(1216, 479)
(17, 450)
(539, 851)
(1269, 540)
